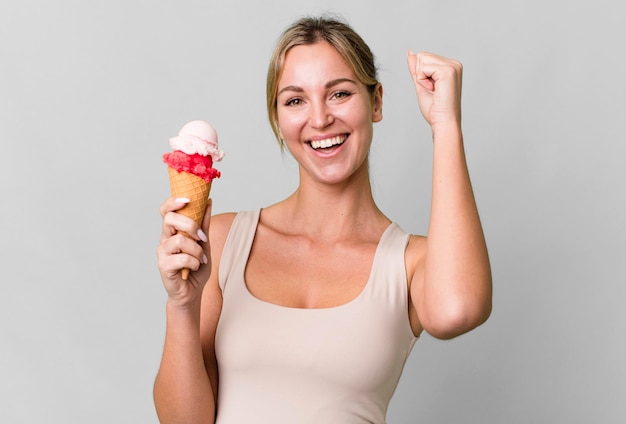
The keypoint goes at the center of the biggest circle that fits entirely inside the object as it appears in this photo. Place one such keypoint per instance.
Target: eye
(294, 101)
(341, 95)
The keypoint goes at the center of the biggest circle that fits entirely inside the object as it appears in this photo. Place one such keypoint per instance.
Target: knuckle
(195, 264)
(169, 217)
(165, 208)
(162, 263)
(178, 241)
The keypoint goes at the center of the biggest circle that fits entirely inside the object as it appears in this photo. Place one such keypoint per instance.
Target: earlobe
(377, 109)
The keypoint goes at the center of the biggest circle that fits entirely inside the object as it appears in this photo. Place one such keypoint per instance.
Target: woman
(312, 305)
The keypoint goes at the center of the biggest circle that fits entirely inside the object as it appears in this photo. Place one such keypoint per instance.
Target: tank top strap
(238, 244)
(388, 274)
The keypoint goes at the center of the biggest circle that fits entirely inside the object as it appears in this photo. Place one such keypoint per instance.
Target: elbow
(457, 318)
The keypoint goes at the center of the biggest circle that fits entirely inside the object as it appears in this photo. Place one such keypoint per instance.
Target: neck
(335, 211)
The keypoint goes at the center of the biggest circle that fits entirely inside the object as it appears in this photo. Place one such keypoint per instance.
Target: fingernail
(202, 236)
(182, 200)
(205, 260)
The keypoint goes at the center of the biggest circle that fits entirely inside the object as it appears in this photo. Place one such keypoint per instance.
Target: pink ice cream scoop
(195, 150)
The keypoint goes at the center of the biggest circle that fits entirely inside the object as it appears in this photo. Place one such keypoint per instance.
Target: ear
(377, 105)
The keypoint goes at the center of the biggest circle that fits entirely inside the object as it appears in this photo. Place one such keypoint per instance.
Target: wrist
(447, 131)
(175, 307)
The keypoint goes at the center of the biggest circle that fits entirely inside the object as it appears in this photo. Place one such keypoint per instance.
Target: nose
(320, 115)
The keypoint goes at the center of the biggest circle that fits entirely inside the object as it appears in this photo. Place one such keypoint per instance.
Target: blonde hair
(312, 30)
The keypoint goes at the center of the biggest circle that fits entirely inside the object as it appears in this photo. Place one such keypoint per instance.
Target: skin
(315, 248)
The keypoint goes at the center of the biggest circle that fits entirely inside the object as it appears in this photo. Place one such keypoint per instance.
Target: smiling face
(325, 113)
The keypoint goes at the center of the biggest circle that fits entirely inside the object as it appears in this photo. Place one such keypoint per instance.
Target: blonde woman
(305, 311)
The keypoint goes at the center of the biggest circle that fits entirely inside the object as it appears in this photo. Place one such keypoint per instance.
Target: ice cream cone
(197, 190)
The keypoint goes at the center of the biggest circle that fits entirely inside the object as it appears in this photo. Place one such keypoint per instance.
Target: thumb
(412, 62)
(423, 83)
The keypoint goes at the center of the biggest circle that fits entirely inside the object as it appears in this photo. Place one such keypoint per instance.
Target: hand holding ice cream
(190, 168)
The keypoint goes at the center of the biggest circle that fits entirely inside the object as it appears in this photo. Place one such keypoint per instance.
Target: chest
(292, 272)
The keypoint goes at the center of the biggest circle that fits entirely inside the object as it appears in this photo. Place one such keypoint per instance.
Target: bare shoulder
(220, 226)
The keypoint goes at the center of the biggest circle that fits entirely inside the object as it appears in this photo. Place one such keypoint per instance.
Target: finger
(174, 264)
(179, 252)
(436, 67)
(432, 58)
(180, 243)
(412, 63)
(188, 253)
(174, 223)
(422, 82)
(424, 72)
(173, 204)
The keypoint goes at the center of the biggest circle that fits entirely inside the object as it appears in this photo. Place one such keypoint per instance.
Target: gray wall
(91, 91)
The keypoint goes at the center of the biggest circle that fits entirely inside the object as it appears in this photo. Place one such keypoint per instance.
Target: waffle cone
(197, 190)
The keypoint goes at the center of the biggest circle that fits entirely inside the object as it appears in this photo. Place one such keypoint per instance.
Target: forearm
(182, 390)
(457, 279)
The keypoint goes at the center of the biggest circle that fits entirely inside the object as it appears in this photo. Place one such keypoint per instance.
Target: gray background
(91, 91)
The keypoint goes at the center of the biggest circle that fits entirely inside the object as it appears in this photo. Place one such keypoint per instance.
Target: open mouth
(328, 142)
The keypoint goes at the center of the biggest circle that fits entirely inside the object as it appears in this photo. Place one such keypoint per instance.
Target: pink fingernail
(182, 200)
(202, 236)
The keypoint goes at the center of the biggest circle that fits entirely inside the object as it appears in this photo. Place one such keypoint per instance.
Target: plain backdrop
(91, 91)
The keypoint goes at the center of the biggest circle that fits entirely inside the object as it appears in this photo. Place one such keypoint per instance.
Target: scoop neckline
(365, 288)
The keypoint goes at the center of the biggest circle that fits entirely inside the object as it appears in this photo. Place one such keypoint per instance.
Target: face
(325, 113)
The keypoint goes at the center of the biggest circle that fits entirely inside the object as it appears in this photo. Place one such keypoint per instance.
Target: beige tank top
(281, 365)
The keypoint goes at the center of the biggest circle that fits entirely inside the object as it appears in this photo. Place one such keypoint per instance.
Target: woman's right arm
(185, 389)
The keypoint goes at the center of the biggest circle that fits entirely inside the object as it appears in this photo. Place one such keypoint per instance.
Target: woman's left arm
(453, 293)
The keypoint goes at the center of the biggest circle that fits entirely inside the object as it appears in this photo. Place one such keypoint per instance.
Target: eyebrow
(329, 84)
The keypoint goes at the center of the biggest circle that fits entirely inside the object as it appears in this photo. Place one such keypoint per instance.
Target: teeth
(322, 144)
